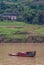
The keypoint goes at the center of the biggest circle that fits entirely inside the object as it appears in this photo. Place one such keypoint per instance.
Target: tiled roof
(8, 14)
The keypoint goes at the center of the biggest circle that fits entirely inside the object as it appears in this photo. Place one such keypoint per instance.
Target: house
(8, 16)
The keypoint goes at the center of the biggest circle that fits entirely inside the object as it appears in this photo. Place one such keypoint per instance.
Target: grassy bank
(20, 31)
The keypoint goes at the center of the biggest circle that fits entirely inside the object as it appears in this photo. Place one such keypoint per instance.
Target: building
(8, 16)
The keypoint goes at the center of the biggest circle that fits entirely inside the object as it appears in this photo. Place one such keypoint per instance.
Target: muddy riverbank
(29, 39)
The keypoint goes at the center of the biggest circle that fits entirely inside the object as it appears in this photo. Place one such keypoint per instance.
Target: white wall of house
(10, 17)
(13, 17)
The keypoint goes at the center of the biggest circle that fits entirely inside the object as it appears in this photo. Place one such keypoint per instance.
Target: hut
(8, 16)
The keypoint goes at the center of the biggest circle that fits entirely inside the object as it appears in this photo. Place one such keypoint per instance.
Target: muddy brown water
(7, 48)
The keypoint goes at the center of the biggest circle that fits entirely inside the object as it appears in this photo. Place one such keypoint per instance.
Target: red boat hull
(22, 54)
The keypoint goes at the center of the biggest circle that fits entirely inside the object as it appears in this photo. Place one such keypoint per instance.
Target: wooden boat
(24, 54)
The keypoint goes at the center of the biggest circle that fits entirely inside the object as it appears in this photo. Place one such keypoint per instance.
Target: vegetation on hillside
(31, 11)
(20, 32)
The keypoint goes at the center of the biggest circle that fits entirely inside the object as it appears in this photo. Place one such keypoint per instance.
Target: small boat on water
(24, 54)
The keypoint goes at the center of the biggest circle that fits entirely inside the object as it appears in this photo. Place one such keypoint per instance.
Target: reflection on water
(5, 49)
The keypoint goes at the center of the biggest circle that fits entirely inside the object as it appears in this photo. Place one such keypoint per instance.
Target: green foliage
(14, 31)
(31, 11)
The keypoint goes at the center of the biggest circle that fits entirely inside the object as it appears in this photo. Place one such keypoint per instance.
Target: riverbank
(21, 32)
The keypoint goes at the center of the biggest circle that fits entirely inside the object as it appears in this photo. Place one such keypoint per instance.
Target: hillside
(21, 32)
(31, 11)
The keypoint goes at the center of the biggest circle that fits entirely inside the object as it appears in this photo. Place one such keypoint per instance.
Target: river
(6, 48)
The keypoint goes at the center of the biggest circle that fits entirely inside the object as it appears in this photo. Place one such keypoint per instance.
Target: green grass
(11, 29)
(12, 33)
(8, 30)
(22, 27)
(15, 23)
(40, 30)
(10, 23)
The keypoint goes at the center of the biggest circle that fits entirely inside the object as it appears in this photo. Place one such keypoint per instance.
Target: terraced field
(21, 32)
